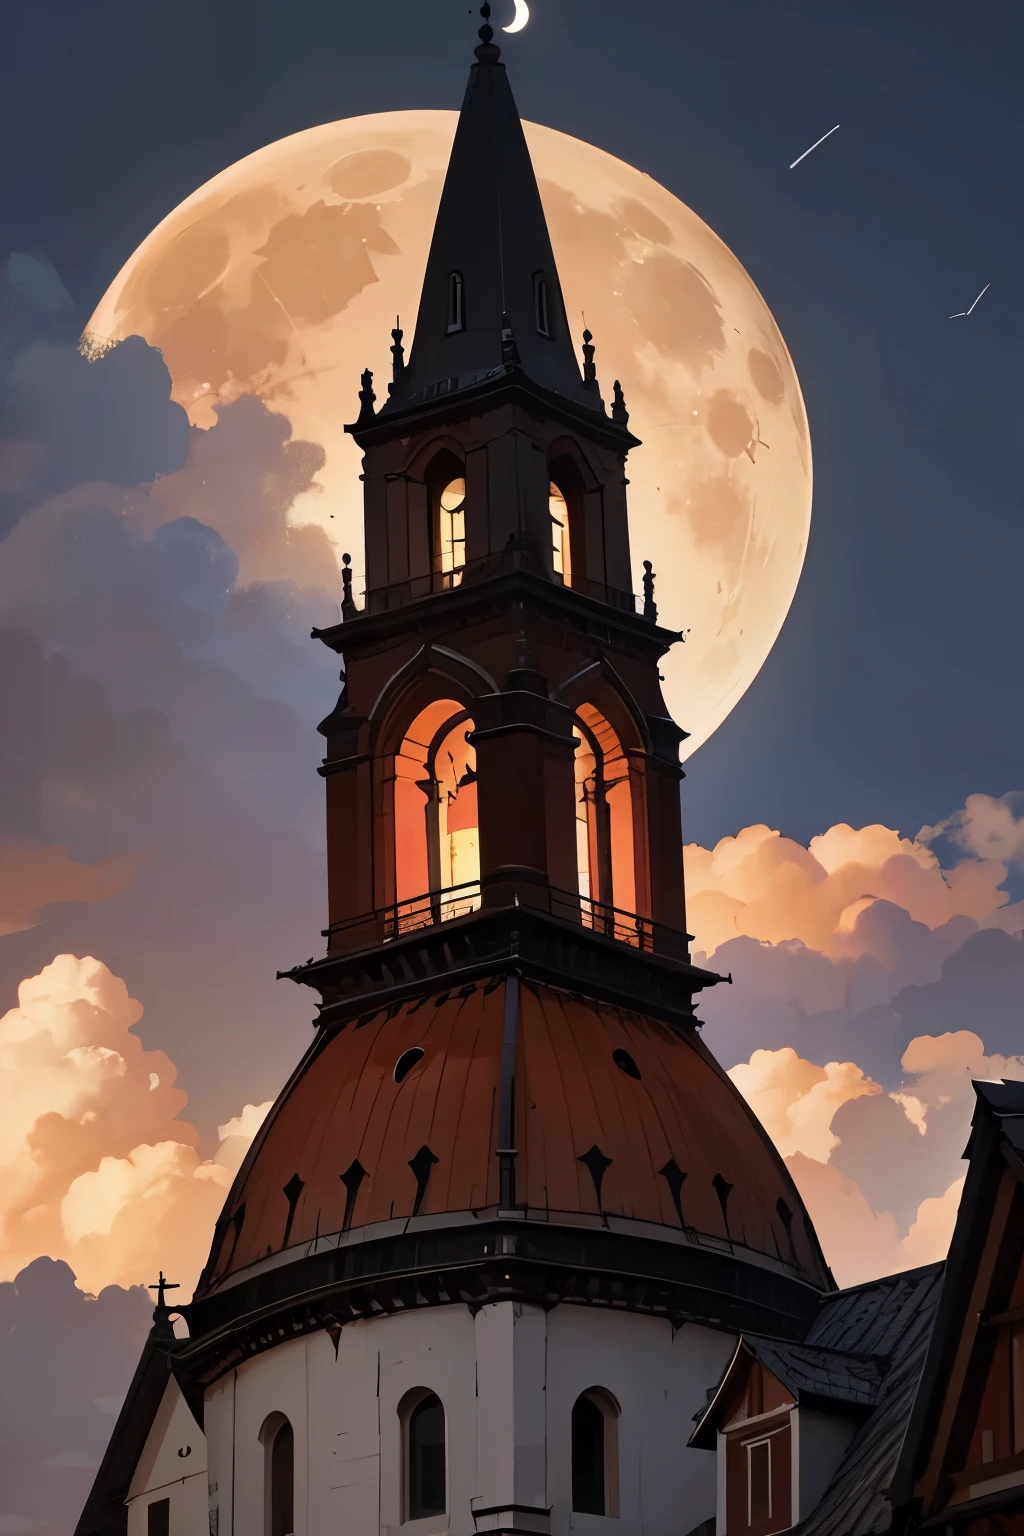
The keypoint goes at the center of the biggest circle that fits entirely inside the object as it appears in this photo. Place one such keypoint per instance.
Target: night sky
(160, 809)
(889, 694)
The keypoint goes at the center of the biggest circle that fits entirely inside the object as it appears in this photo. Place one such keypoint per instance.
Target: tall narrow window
(426, 1458)
(759, 1482)
(561, 548)
(437, 843)
(604, 818)
(158, 1518)
(456, 303)
(278, 1476)
(595, 1456)
(541, 311)
(451, 531)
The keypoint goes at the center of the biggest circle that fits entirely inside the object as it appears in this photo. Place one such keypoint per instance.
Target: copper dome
(392, 1125)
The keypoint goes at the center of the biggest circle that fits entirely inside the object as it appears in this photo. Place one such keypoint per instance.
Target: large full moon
(283, 275)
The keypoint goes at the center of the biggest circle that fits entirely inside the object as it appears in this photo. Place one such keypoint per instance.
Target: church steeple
(490, 260)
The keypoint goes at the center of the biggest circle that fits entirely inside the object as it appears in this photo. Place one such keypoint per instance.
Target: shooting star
(806, 152)
(962, 314)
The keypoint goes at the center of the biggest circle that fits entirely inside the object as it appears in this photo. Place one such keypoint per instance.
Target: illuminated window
(437, 844)
(278, 1476)
(451, 527)
(561, 552)
(541, 311)
(604, 814)
(424, 1436)
(595, 1454)
(456, 303)
(759, 1481)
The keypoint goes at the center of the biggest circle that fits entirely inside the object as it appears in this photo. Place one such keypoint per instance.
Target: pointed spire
(491, 269)
(619, 412)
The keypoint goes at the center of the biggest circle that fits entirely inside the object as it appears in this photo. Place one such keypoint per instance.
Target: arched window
(565, 507)
(541, 311)
(437, 841)
(446, 494)
(561, 544)
(425, 1455)
(278, 1476)
(604, 816)
(595, 1453)
(456, 303)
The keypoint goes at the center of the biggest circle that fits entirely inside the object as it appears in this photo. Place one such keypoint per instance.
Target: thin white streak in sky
(806, 152)
(962, 314)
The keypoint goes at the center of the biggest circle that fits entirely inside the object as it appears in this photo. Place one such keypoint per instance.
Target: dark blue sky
(894, 690)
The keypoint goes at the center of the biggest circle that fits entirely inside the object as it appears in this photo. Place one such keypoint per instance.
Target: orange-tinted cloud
(32, 878)
(95, 1165)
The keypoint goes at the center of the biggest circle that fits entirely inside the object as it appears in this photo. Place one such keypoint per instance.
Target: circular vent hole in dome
(407, 1060)
(625, 1063)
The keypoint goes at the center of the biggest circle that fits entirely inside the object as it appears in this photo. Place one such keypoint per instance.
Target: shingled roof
(889, 1320)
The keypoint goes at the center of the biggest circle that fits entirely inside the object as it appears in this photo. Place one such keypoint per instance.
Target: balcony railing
(436, 907)
(398, 593)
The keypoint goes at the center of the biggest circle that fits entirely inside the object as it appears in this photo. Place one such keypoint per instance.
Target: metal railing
(398, 593)
(436, 907)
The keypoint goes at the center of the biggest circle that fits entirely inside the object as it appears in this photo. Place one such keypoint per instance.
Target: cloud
(107, 418)
(66, 1359)
(32, 878)
(988, 827)
(96, 1167)
(881, 1173)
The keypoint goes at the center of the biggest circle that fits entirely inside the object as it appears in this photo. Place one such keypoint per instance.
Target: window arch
(565, 508)
(595, 1453)
(604, 814)
(541, 305)
(456, 303)
(424, 1455)
(278, 1440)
(446, 492)
(437, 839)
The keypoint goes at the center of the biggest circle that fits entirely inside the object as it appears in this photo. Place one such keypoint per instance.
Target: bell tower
(502, 742)
(500, 1230)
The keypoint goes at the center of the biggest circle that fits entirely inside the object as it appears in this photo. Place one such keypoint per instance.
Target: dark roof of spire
(491, 230)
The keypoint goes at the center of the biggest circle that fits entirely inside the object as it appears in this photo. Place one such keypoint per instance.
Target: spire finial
(488, 51)
(397, 356)
(619, 412)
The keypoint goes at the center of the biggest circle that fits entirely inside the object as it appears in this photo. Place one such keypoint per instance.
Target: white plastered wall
(508, 1378)
(172, 1466)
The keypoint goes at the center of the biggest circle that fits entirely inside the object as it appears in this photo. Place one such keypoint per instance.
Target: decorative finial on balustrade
(619, 412)
(397, 356)
(589, 367)
(348, 607)
(509, 348)
(650, 606)
(367, 398)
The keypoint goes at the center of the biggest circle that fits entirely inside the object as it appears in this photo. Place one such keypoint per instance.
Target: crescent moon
(520, 18)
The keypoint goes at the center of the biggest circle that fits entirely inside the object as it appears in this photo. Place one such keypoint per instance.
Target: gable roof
(995, 1149)
(863, 1351)
(105, 1512)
